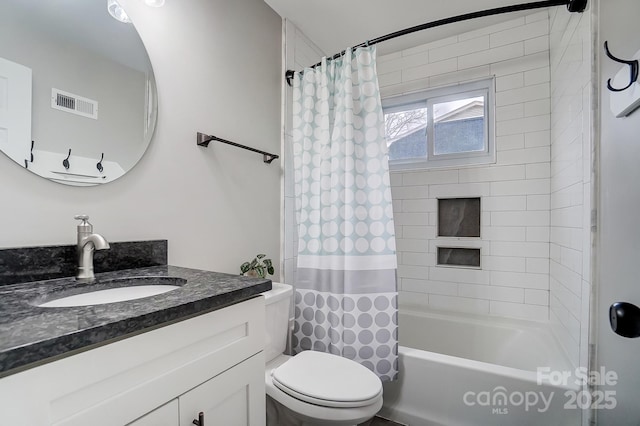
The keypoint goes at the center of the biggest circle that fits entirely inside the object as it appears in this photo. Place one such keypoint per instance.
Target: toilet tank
(277, 306)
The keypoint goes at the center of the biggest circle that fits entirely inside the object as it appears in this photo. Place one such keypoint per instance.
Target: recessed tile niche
(455, 256)
(459, 217)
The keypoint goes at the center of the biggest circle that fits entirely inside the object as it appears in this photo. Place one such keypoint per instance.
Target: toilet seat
(327, 380)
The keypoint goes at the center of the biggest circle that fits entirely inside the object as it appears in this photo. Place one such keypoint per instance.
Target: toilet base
(279, 415)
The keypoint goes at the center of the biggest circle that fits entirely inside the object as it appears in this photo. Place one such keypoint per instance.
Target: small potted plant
(258, 267)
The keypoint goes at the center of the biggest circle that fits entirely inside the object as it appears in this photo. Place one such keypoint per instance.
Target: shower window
(450, 126)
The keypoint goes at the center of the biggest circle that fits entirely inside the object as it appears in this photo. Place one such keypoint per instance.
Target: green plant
(259, 267)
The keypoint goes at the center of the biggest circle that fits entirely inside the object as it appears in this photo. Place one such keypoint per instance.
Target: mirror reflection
(77, 93)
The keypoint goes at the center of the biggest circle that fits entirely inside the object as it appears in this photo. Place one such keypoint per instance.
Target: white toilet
(312, 388)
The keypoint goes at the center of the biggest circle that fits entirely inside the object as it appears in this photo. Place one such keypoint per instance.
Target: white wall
(514, 279)
(218, 70)
(571, 168)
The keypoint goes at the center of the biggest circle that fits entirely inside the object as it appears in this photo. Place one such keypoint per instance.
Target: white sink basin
(126, 292)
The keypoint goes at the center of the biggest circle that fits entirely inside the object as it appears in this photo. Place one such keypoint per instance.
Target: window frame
(426, 99)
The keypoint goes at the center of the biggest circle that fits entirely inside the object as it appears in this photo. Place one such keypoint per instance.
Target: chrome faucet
(88, 242)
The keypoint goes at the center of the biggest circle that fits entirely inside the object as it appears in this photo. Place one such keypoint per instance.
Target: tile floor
(379, 421)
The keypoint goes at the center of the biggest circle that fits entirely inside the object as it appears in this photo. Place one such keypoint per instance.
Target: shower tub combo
(464, 370)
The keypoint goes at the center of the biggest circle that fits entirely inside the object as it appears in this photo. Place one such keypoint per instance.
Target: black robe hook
(65, 162)
(633, 69)
(32, 144)
(99, 165)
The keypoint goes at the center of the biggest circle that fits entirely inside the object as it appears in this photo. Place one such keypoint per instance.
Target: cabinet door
(167, 415)
(233, 398)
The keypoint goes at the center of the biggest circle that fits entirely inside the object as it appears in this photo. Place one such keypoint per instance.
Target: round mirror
(77, 94)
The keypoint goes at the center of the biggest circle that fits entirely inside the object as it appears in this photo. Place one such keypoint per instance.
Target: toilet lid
(327, 380)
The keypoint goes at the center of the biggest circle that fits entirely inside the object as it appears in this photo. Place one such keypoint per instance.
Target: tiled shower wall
(514, 277)
(532, 208)
(571, 166)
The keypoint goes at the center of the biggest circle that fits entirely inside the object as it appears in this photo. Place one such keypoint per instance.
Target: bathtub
(463, 370)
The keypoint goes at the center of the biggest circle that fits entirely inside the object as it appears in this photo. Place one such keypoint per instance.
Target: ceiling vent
(65, 101)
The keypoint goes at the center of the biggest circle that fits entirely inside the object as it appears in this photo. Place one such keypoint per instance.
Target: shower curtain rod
(572, 6)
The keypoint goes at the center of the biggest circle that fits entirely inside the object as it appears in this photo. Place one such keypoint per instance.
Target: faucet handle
(83, 217)
(84, 226)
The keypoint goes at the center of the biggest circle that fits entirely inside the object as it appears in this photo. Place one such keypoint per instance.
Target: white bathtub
(462, 370)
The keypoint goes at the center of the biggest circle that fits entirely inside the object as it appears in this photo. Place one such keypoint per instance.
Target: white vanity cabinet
(212, 363)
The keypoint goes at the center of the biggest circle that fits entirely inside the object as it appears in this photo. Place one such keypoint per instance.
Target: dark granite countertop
(30, 334)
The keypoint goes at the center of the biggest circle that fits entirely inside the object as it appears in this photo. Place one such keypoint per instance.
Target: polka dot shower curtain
(346, 292)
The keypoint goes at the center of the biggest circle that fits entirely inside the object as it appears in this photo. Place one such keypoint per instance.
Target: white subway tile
(397, 206)
(460, 76)
(537, 139)
(415, 60)
(519, 310)
(459, 275)
(430, 177)
(418, 219)
(519, 248)
(525, 63)
(392, 90)
(525, 32)
(499, 233)
(509, 82)
(523, 125)
(520, 187)
(512, 23)
(389, 78)
(538, 233)
(491, 174)
(537, 266)
(520, 218)
(477, 291)
(523, 94)
(563, 336)
(570, 322)
(413, 299)
(415, 272)
(538, 202)
(389, 57)
(459, 304)
(510, 112)
(411, 244)
(567, 277)
(459, 190)
(504, 263)
(506, 203)
(525, 156)
(418, 259)
(539, 107)
(535, 45)
(409, 192)
(538, 16)
(458, 49)
(537, 76)
(435, 68)
(491, 56)
(419, 232)
(509, 142)
(538, 171)
(420, 205)
(431, 287)
(432, 45)
(568, 299)
(396, 179)
(536, 297)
